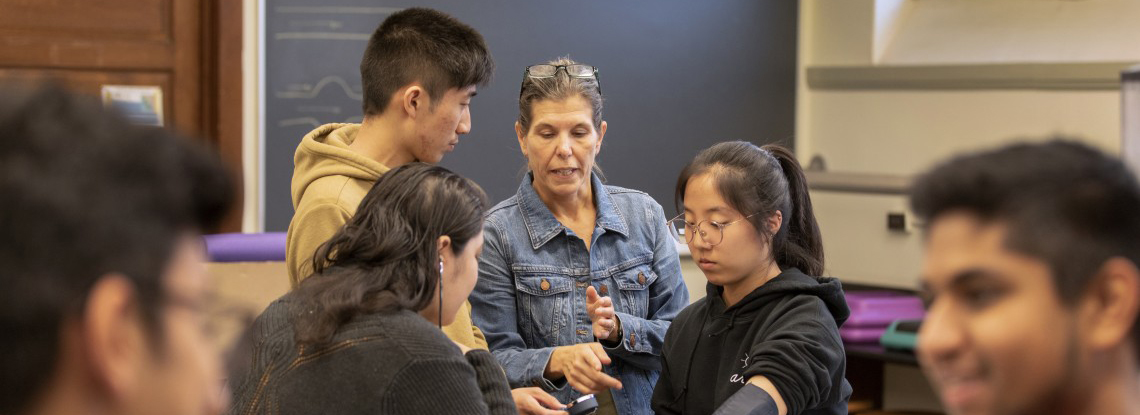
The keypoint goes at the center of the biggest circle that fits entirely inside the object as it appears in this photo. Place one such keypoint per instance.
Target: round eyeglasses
(684, 231)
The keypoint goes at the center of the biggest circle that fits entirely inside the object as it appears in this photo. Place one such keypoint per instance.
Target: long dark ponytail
(385, 259)
(764, 180)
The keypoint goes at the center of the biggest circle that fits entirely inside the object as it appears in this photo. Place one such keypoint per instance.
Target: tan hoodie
(329, 181)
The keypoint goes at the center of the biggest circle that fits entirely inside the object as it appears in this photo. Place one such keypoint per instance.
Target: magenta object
(861, 334)
(880, 308)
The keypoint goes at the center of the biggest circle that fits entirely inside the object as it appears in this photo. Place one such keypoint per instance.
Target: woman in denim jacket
(578, 281)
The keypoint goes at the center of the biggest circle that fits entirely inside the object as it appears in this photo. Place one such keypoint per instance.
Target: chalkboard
(678, 76)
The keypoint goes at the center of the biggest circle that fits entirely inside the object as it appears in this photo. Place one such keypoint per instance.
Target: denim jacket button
(605, 290)
(581, 284)
(545, 285)
(632, 339)
(641, 278)
(582, 332)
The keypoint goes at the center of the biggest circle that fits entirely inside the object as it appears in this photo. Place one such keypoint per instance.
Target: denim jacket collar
(542, 226)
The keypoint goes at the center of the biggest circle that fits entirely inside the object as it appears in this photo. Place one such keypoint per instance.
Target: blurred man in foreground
(103, 277)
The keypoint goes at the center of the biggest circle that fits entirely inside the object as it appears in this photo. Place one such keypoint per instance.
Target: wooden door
(189, 48)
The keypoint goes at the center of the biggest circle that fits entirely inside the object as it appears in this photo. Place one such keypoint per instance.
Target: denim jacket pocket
(634, 285)
(544, 298)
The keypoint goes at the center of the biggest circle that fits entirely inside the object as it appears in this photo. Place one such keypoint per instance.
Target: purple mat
(878, 309)
(861, 335)
(246, 247)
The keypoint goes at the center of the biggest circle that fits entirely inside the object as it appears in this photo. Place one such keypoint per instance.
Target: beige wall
(965, 31)
(903, 131)
(252, 217)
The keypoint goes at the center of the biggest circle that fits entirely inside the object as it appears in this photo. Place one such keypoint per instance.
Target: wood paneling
(92, 81)
(120, 34)
(38, 52)
(222, 112)
(187, 66)
(102, 19)
(189, 48)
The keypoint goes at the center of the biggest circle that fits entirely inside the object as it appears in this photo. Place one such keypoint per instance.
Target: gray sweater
(396, 363)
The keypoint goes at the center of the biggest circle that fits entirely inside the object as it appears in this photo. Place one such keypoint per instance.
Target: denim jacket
(533, 274)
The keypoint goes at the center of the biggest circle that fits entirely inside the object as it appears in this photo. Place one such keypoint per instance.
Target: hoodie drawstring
(731, 322)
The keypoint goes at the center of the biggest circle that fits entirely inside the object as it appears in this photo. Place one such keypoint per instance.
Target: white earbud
(440, 316)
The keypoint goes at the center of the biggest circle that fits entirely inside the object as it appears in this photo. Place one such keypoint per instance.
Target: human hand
(535, 401)
(606, 324)
(581, 365)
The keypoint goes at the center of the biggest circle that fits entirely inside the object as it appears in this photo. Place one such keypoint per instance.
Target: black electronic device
(584, 405)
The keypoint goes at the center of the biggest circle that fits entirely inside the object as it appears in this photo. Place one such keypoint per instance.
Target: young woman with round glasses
(765, 340)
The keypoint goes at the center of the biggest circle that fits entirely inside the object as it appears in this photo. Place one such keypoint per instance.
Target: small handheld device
(584, 405)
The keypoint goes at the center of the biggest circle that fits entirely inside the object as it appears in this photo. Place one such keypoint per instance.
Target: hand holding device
(581, 365)
(535, 401)
(584, 405)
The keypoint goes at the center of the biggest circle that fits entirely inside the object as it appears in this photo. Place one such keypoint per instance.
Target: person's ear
(443, 245)
(1108, 309)
(601, 136)
(113, 337)
(414, 99)
(522, 137)
(774, 222)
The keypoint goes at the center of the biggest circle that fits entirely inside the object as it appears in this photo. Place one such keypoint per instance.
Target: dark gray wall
(678, 76)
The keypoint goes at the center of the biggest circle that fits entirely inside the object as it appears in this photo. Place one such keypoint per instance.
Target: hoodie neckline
(790, 281)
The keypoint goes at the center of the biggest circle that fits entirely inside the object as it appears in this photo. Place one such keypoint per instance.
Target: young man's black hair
(419, 44)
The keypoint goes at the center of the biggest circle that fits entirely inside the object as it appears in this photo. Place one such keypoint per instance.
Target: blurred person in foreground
(103, 268)
(1032, 283)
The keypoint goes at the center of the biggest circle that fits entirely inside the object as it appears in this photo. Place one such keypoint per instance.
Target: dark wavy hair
(764, 180)
(385, 259)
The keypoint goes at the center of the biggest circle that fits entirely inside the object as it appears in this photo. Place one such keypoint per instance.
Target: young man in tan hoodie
(419, 73)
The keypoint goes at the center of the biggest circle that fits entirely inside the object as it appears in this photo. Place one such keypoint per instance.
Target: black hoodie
(786, 330)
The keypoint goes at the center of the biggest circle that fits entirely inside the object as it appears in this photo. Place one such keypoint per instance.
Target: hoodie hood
(790, 282)
(324, 152)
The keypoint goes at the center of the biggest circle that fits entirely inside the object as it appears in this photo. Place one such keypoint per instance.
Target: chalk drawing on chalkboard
(320, 24)
(290, 122)
(299, 121)
(331, 109)
(311, 93)
(321, 36)
(336, 10)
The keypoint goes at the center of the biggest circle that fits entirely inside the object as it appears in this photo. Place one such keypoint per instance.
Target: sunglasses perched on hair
(573, 71)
